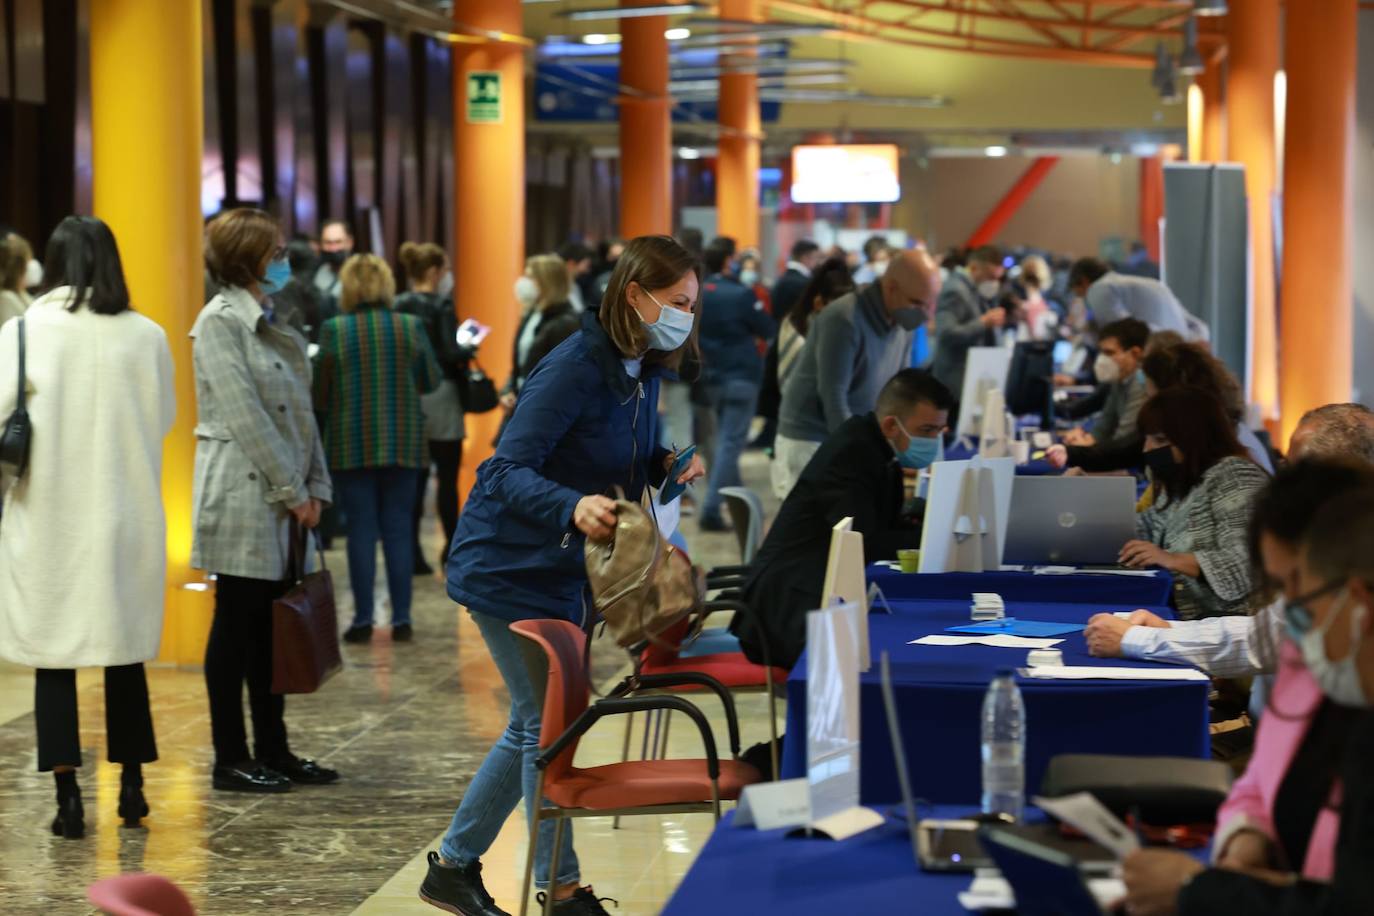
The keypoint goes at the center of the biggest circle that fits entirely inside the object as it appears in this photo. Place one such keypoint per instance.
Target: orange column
(737, 170)
(1316, 360)
(1151, 203)
(1213, 112)
(489, 195)
(1253, 60)
(646, 131)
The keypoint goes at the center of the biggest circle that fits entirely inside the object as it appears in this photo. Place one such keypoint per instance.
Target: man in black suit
(857, 472)
(788, 288)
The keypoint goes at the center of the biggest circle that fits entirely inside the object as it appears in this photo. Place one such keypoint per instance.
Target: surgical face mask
(672, 328)
(445, 285)
(909, 318)
(749, 276)
(1106, 370)
(33, 274)
(988, 289)
(526, 291)
(278, 273)
(920, 452)
(1339, 680)
(879, 268)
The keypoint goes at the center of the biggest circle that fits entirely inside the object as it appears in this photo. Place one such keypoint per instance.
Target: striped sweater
(371, 368)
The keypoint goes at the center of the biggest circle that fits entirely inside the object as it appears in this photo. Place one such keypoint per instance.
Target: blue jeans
(734, 403)
(379, 504)
(508, 772)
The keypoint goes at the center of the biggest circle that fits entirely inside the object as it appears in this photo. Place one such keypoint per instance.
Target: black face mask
(1161, 462)
(334, 259)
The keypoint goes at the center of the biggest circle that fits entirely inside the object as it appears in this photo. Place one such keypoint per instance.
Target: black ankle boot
(133, 807)
(70, 821)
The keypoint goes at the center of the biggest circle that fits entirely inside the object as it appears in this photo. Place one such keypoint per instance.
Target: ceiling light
(1209, 7)
(632, 12)
(677, 34)
(687, 152)
(1190, 61)
(597, 38)
(994, 152)
(1164, 67)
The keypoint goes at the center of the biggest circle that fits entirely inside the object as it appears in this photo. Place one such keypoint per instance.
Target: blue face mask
(278, 273)
(672, 328)
(920, 453)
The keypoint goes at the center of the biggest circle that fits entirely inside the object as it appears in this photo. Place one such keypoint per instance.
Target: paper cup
(909, 560)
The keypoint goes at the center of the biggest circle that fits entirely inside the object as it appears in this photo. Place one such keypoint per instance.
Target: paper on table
(1087, 672)
(992, 892)
(1079, 571)
(997, 640)
(1086, 814)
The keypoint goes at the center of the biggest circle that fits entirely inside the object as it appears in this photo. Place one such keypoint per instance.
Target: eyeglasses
(1296, 615)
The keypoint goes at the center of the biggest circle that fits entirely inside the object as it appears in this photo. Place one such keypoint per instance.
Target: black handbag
(1165, 790)
(18, 431)
(478, 391)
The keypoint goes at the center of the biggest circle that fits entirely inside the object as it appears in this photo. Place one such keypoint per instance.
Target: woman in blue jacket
(585, 422)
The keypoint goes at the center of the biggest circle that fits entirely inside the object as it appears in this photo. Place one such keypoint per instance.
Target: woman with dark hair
(1204, 488)
(259, 466)
(584, 423)
(84, 543)
(828, 282)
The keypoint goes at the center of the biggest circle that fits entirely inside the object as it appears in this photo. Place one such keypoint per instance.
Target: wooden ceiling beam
(1008, 14)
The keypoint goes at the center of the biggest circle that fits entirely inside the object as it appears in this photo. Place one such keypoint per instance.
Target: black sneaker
(402, 632)
(358, 634)
(583, 902)
(458, 889)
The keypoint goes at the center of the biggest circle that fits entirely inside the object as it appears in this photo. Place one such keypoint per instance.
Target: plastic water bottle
(1004, 747)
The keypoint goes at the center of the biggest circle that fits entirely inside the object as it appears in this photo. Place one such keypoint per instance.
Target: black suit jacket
(787, 289)
(855, 473)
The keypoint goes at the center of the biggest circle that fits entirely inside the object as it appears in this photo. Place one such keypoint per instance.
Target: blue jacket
(731, 319)
(516, 553)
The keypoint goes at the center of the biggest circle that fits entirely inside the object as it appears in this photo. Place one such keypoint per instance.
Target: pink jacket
(1295, 698)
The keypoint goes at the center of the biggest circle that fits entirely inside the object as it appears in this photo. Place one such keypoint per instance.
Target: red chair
(553, 651)
(139, 895)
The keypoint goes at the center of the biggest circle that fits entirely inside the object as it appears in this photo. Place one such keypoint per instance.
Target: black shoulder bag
(18, 431)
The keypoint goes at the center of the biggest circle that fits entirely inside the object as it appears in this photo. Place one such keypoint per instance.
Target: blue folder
(1013, 627)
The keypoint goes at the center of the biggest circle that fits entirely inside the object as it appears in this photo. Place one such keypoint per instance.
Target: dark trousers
(447, 458)
(240, 649)
(380, 505)
(128, 717)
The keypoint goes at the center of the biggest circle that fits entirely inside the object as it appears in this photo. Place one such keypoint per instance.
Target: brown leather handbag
(641, 584)
(305, 630)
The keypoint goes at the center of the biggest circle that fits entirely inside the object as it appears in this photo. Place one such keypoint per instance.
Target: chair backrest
(566, 684)
(746, 514)
(139, 895)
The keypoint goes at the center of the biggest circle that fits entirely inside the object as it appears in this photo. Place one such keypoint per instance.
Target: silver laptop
(1069, 521)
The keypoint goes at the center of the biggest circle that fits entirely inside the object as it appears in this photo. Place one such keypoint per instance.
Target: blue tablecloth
(1025, 586)
(940, 691)
(745, 871)
(1033, 468)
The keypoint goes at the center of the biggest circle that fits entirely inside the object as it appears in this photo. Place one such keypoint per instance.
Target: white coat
(83, 551)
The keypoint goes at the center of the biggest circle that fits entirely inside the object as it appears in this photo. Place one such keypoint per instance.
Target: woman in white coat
(83, 539)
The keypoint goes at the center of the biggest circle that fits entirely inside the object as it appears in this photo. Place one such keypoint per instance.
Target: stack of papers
(1088, 672)
(996, 640)
(990, 891)
(988, 606)
(1097, 571)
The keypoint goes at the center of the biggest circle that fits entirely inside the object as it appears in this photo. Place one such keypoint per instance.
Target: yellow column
(737, 168)
(146, 125)
(1318, 211)
(646, 133)
(1253, 27)
(489, 198)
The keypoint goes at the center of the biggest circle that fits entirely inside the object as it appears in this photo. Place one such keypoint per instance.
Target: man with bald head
(853, 346)
(1225, 646)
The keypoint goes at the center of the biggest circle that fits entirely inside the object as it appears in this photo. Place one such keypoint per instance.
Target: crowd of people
(325, 400)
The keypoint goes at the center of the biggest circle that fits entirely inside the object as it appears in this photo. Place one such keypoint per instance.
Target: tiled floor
(407, 726)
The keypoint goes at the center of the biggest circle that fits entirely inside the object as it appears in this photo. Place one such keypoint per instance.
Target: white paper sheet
(1087, 672)
(996, 640)
(1086, 814)
(1077, 571)
(992, 892)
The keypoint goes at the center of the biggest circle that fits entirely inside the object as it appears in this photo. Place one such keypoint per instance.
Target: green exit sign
(484, 97)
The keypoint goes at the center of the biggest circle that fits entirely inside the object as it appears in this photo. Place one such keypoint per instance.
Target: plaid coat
(1210, 523)
(258, 450)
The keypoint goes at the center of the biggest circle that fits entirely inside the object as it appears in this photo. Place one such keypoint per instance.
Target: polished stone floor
(406, 724)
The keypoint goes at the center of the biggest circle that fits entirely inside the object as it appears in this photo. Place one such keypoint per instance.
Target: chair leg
(624, 756)
(553, 865)
(663, 746)
(715, 798)
(773, 728)
(533, 845)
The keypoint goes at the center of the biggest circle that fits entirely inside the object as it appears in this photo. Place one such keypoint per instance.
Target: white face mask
(526, 291)
(672, 328)
(1339, 680)
(445, 285)
(748, 276)
(989, 289)
(33, 274)
(879, 268)
(1106, 370)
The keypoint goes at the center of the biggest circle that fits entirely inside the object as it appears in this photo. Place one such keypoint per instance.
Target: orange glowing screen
(853, 173)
